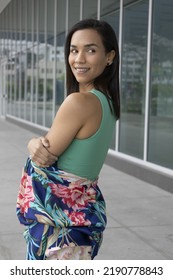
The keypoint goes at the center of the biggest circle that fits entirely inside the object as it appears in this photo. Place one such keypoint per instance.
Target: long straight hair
(108, 81)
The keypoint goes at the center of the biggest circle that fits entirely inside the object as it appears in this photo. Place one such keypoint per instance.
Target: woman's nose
(80, 58)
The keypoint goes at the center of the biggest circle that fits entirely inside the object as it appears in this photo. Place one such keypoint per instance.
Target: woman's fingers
(39, 153)
(45, 142)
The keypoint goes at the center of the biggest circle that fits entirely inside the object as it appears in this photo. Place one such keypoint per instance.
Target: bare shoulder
(71, 103)
(75, 108)
(75, 98)
(80, 103)
(82, 100)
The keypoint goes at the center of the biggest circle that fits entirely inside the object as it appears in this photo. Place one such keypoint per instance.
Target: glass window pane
(24, 59)
(50, 62)
(89, 8)
(1, 35)
(134, 55)
(14, 57)
(35, 59)
(19, 54)
(161, 103)
(59, 55)
(110, 13)
(28, 59)
(9, 64)
(17, 57)
(4, 66)
(74, 12)
(41, 60)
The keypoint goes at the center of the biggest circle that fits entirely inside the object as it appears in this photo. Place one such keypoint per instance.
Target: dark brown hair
(108, 81)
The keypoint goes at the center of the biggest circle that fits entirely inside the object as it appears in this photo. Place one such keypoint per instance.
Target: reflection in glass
(74, 12)
(161, 102)
(90, 9)
(133, 78)
(110, 13)
(59, 56)
(29, 60)
(35, 58)
(50, 56)
(40, 61)
(15, 58)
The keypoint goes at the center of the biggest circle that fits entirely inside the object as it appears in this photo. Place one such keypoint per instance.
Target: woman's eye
(91, 50)
(73, 51)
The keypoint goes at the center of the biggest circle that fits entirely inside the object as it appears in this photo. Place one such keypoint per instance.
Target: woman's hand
(39, 153)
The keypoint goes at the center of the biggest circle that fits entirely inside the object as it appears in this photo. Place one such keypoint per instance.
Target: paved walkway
(140, 215)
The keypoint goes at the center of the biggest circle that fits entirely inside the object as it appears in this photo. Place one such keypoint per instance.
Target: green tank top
(85, 157)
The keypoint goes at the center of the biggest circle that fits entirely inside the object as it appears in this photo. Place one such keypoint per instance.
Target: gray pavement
(140, 215)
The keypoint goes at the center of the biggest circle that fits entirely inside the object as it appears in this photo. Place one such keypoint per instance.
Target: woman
(59, 200)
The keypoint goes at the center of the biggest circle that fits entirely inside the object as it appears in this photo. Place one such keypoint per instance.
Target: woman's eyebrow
(86, 46)
(91, 45)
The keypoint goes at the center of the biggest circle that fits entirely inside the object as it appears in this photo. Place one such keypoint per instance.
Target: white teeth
(81, 70)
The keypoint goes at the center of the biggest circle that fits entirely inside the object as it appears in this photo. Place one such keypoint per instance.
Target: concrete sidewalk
(140, 215)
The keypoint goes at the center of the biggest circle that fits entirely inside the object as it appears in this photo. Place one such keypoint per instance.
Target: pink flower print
(78, 219)
(69, 252)
(75, 196)
(26, 194)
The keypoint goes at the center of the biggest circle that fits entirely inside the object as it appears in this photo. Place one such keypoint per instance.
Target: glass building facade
(32, 76)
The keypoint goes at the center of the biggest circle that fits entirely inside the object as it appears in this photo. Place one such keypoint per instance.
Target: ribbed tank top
(85, 157)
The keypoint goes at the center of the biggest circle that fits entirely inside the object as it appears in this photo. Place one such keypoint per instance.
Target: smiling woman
(65, 212)
(88, 57)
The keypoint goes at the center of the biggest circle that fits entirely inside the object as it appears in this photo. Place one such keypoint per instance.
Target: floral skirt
(64, 215)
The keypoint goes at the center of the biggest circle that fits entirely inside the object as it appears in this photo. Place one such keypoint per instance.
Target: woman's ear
(110, 57)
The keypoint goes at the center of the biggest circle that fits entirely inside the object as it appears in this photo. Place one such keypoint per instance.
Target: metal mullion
(4, 67)
(11, 61)
(55, 61)
(98, 9)
(20, 64)
(117, 138)
(45, 64)
(7, 93)
(66, 31)
(81, 9)
(37, 58)
(1, 66)
(148, 80)
(1, 86)
(67, 17)
(26, 62)
(32, 62)
(15, 61)
(0, 39)
(1, 89)
(4, 109)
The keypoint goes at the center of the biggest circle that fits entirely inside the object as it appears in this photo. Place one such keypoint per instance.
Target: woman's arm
(68, 121)
(38, 152)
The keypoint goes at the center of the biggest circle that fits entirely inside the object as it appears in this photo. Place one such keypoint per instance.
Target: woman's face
(87, 57)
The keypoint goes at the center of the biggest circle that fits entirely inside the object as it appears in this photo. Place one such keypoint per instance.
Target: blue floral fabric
(60, 211)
